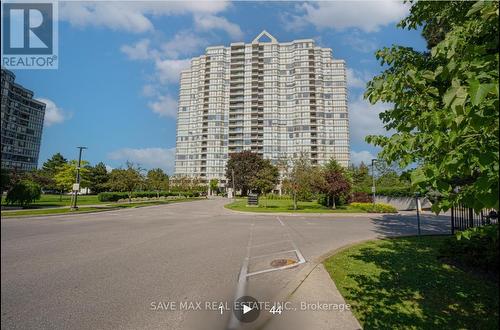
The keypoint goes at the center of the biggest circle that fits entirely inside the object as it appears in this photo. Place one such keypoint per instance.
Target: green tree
(127, 179)
(214, 185)
(98, 178)
(157, 180)
(42, 178)
(298, 180)
(65, 176)
(266, 178)
(49, 170)
(245, 166)
(5, 180)
(389, 179)
(361, 177)
(23, 193)
(445, 102)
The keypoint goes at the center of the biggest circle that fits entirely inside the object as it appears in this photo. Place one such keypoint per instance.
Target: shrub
(362, 197)
(377, 208)
(115, 196)
(111, 196)
(23, 193)
(474, 247)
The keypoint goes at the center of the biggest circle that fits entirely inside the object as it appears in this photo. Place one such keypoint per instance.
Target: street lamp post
(417, 202)
(76, 186)
(373, 180)
(234, 189)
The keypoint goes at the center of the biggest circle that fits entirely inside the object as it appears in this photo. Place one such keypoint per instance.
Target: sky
(116, 88)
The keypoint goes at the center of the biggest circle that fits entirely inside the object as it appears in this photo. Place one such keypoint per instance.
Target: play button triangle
(246, 309)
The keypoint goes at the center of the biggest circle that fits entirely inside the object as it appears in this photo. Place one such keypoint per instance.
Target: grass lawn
(402, 284)
(48, 200)
(84, 209)
(286, 205)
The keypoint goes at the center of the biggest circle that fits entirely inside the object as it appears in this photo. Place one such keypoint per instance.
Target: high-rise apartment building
(280, 100)
(22, 124)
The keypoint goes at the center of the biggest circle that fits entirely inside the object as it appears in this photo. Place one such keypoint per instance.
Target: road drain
(282, 262)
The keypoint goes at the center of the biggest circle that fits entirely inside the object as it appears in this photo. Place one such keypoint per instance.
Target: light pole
(234, 190)
(76, 186)
(418, 212)
(373, 180)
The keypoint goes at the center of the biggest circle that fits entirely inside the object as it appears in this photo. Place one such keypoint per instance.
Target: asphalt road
(121, 269)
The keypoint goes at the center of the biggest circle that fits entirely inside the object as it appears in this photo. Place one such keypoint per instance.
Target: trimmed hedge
(377, 208)
(115, 195)
(390, 191)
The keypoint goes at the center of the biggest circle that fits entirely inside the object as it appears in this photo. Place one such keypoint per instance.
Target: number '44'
(276, 309)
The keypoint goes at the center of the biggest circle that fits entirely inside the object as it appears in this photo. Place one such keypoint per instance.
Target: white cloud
(109, 168)
(131, 16)
(354, 79)
(148, 157)
(207, 23)
(183, 43)
(364, 119)
(165, 106)
(361, 156)
(138, 51)
(368, 16)
(169, 71)
(360, 43)
(53, 114)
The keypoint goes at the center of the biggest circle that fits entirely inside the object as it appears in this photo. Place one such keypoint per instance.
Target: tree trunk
(294, 201)
(158, 194)
(60, 195)
(130, 197)
(333, 203)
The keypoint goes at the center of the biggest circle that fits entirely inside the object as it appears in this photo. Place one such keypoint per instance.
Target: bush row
(377, 208)
(115, 195)
(390, 191)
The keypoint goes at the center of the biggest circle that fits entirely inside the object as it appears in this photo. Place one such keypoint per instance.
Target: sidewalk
(318, 287)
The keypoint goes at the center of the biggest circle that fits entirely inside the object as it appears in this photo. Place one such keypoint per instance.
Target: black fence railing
(463, 218)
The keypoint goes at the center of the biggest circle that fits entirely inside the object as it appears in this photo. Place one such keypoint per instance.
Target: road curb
(290, 214)
(288, 291)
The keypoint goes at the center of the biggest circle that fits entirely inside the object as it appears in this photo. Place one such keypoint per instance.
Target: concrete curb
(292, 287)
(291, 214)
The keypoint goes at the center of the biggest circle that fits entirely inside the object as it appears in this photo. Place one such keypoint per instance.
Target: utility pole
(417, 202)
(373, 180)
(234, 190)
(76, 186)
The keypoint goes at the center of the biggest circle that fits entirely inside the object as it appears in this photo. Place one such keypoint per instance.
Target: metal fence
(463, 218)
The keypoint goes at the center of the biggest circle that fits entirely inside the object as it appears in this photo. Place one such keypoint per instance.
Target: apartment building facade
(280, 100)
(22, 124)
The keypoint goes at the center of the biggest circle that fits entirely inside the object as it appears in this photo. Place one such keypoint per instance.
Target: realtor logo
(29, 35)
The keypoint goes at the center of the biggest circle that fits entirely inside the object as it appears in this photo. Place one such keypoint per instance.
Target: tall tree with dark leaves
(243, 166)
(98, 178)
